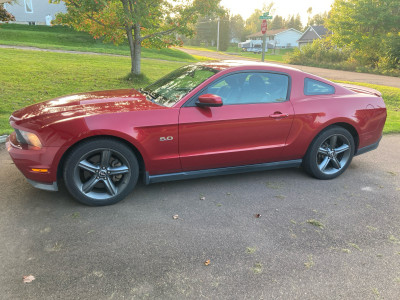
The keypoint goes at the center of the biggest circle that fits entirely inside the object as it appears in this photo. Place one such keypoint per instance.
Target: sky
(282, 7)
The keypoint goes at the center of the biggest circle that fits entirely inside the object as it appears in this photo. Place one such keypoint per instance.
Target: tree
(148, 23)
(277, 23)
(371, 28)
(237, 27)
(318, 19)
(5, 16)
(206, 30)
(294, 22)
(297, 23)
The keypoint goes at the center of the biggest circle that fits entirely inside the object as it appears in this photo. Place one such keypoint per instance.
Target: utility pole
(218, 36)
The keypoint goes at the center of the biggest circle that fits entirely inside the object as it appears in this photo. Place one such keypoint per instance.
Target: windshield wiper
(149, 95)
(153, 97)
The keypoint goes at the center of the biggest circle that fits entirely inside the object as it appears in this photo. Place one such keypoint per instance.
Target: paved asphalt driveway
(336, 239)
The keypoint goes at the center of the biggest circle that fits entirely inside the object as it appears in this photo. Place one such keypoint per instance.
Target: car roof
(243, 64)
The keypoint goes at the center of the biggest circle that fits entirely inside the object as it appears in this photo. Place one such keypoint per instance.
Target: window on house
(28, 6)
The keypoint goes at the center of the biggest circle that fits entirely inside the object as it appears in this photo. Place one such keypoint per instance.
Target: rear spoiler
(361, 89)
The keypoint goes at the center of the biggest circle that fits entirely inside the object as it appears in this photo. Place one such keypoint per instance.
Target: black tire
(330, 153)
(101, 172)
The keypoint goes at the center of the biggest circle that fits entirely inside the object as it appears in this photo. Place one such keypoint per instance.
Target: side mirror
(209, 100)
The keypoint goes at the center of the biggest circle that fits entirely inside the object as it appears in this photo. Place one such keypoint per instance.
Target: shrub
(320, 51)
(383, 59)
(5, 16)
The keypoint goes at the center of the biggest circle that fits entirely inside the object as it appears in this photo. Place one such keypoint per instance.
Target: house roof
(320, 30)
(272, 32)
(313, 33)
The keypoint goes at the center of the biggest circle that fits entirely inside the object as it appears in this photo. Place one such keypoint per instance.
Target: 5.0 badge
(166, 138)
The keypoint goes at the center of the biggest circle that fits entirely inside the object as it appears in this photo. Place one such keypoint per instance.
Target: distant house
(33, 12)
(312, 33)
(279, 38)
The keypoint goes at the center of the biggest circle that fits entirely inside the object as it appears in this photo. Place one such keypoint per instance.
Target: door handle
(278, 115)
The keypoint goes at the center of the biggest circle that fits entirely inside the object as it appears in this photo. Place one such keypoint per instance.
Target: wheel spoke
(322, 166)
(118, 170)
(323, 151)
(105, 158)
(84, 164)
(88, 185)
(333, 141)
(342, 148)
(110, 186)
(336, 163)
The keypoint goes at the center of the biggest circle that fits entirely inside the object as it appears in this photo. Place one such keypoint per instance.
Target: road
(337, 239)
(326, 73)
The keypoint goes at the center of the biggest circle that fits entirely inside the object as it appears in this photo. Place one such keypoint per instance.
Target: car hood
(82, 105)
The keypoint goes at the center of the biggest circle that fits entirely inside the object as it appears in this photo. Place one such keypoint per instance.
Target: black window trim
(304, 87)
(192, 101)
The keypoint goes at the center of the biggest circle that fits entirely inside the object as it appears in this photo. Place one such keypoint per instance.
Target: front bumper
(53, 187)
(27, 161)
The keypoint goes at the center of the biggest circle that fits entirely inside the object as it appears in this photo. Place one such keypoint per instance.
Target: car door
(251, 127)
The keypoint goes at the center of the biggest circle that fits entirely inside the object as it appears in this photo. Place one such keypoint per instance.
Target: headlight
(28, 138)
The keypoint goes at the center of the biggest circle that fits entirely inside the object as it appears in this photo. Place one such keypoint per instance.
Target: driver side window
(247, 88)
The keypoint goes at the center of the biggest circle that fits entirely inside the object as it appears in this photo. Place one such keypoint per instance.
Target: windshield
(172, 87)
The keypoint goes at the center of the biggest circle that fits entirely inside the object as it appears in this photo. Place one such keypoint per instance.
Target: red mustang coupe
(200, 120)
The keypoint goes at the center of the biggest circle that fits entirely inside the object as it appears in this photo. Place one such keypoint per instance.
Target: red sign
(263, 26)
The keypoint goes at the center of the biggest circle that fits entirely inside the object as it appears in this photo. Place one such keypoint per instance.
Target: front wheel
(330, 153)
(101, 172)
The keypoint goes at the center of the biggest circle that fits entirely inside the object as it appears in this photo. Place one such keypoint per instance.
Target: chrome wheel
(333, 154)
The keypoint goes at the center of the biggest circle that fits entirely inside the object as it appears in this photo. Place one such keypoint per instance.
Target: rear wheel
(101, 172)
(330, 153)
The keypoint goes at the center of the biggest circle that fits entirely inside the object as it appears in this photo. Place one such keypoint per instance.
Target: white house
(279, 38)
(34, 11)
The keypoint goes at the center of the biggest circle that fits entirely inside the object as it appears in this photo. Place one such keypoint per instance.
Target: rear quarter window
(315, 87)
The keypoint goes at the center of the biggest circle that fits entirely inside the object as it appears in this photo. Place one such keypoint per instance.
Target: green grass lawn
(65, 38)
(27, 77)
(269, 56)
